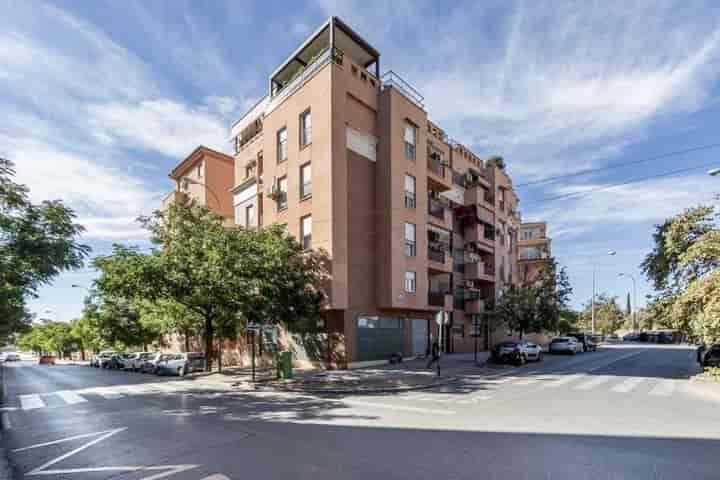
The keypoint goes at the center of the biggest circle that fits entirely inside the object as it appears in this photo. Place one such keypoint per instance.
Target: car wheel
(181, 372)
(539, 357)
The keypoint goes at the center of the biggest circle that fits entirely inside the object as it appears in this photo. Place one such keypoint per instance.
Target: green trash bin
(284, 365)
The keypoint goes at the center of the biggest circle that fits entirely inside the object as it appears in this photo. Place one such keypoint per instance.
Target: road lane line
(31, 402)
(401, 408)
(628, 385)
(526, 381)
(590, 384)
(70, 397)
(664, 388)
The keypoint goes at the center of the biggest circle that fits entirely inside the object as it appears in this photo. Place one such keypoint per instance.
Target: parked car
(612, 338)
(12, 357)
(126, 360)
(150, 363)
(510, 351)
(136, 364)
(102, 359)
(534, 352)
(588, 345)
(631, 337)
(711, 357)
(180, 363)
(114, 362)
(565, 345)
(46, 360)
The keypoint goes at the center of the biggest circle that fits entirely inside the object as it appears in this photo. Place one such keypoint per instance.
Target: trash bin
(284, 365)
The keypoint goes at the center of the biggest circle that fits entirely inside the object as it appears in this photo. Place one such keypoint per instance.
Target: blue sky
(99, 100)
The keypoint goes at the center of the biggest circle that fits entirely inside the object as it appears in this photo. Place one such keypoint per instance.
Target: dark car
(509, 352)
(589, 345)
(711, 357)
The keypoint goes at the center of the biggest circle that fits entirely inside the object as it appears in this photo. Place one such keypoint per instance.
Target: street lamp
(634, 304)
(187, 181)
(714, 172)
(592, 303)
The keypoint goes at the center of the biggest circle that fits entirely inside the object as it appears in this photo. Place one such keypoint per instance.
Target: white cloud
(641, 203)
(165, 126)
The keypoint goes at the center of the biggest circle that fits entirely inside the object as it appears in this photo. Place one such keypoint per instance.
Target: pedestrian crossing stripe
(627, 385)
(592, 383)
(664, 388)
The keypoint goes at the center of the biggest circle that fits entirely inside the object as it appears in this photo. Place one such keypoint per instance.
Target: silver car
(565, 345)
(533, 352)
(180, 363)
(127, 360)
(137, 363)
(150, 362)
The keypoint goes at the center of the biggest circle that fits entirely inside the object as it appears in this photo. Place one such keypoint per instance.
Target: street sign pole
(253, 356)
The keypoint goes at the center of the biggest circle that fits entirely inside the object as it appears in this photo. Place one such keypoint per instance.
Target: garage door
(420, 336)
(378, 338)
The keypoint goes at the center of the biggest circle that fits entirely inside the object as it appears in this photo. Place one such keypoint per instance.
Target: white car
(565, 345)
(150, 363)
(138, 361)
(127, 360)
(533, 352)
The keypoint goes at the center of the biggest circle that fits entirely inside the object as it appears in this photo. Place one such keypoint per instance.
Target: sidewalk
(406, 376)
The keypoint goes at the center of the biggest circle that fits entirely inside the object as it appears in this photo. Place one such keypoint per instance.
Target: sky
(99, 100)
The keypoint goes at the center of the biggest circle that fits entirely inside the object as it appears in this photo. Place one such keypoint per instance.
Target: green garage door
(378, 337)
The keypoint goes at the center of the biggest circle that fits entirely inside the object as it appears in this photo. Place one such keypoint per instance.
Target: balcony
(479, 195)
(440, 300)
(439, 175)
(174, 196)
(438, 213)
(479, 271)
(439, 261)
(475, 306)
(481, 234)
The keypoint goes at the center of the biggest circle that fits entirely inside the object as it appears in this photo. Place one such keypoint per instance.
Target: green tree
(37, 242)
(87, 334)
(536, 306)
(224, 275)
(609, 316)
(684, 267)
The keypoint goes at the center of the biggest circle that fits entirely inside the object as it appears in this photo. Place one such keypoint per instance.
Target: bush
(712, 373)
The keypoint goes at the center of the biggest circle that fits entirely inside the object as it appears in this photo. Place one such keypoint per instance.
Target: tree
(536, 306)
(608, 315)
(226, 276)
(169, 316)
(37, 242)
(684, 267)
(86, 332)
(628, 307)
(52, 337)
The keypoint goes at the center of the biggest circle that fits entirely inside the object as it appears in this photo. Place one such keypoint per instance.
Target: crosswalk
(580, 382)
(38, 401)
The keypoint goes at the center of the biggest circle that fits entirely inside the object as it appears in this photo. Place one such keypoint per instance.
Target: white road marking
(30, 402)
(217, 476)
(526, 381)
(592, 383)
(628, 385)
(70, 397)
(401, 408)
(563, 380)
(38, 470)
(664, 388)
(6, 423)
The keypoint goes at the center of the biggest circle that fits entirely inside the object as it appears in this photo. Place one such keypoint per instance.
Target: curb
(357, 391)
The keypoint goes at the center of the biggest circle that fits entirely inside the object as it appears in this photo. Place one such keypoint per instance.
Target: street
(626, 411)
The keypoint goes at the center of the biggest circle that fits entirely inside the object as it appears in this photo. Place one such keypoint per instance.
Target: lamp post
(592, 303)
(634, 304)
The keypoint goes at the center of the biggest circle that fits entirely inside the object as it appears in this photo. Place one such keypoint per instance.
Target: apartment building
(419, 230)
(535, 251)
(205, 177)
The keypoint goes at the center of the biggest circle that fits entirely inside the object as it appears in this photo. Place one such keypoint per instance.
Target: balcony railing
(436, 209)
(392, 79)
(436, 256)
(300, 80)
(437, 299)
(436, 167)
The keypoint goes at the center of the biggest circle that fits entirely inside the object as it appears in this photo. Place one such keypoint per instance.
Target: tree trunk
(186, 334)
(208, 344)
(220, 349)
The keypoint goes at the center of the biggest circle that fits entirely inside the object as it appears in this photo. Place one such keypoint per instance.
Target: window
(409, 191)
(409, 135)
(410, 282)
(306, 231)
(200, 170)
(527, 234)
(250, 215)
(281, 193)
(305, 181)
(410, 246)
(282, 145)
(305, 128)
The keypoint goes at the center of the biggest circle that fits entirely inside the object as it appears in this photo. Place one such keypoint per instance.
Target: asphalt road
(623, 412)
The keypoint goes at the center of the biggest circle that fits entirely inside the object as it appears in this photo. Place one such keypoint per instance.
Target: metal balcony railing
(436, 209)
(436, 256)
(392, 79)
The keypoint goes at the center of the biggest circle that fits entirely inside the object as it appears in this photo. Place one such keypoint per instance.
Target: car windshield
(560, 340)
